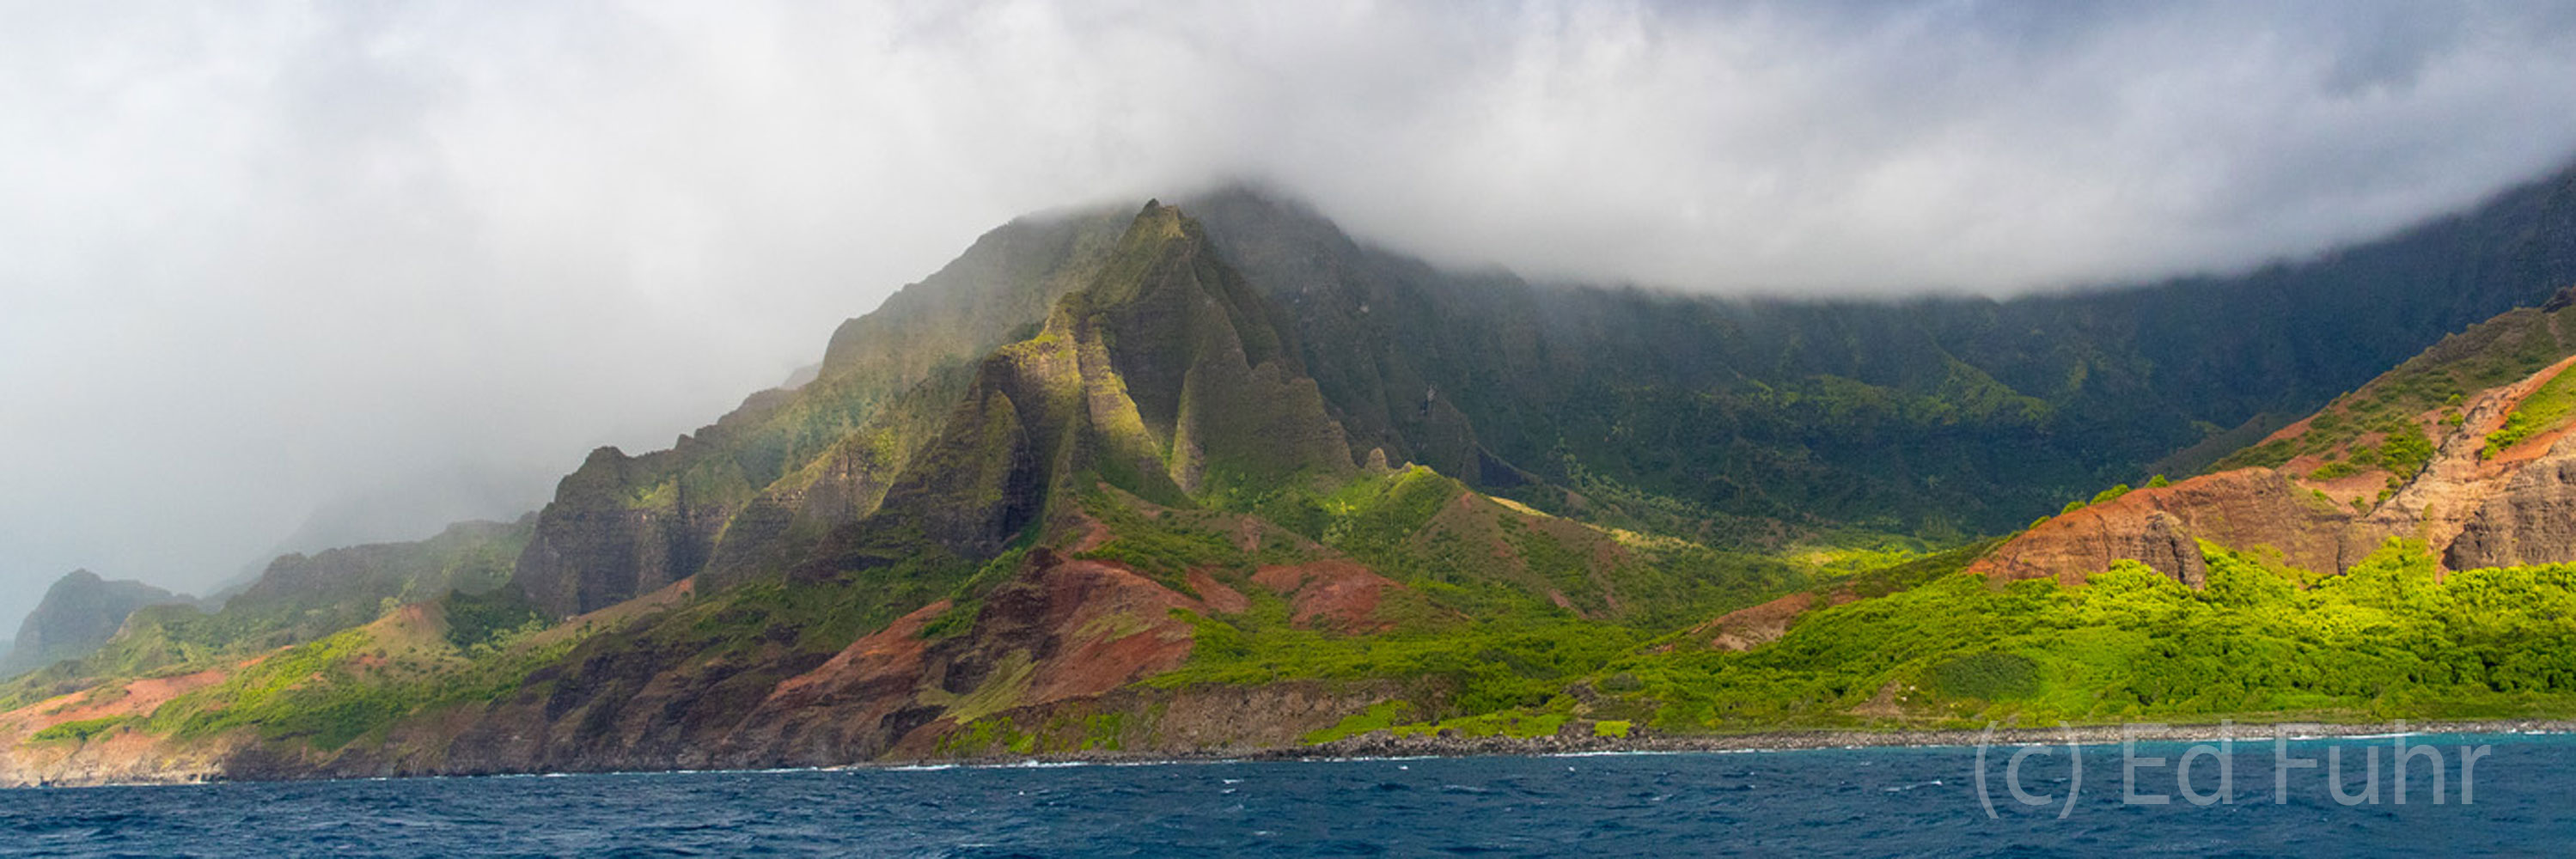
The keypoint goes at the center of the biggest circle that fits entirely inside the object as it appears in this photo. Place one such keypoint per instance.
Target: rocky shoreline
(1386, 744)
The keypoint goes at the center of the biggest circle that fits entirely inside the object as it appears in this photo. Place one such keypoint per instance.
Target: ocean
(1860, 802)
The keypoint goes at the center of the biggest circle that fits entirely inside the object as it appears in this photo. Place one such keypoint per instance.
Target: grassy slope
(2546, 409)
(2380, 425)
(1481, 632)
(474, 651)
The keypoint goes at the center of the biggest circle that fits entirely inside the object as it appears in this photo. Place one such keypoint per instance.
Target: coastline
(1386, 745)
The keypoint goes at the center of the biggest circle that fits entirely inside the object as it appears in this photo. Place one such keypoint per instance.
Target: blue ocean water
(1868, 802)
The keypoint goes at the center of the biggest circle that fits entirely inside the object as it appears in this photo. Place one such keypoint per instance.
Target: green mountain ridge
(621, 526)
(1930, 415)
(297, 599)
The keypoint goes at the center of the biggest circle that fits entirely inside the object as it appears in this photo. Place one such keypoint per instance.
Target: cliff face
(2162, 526)
(2531, 520)
(606, 539)
(79, 613)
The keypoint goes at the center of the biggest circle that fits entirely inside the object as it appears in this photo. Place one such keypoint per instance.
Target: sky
(281, 275)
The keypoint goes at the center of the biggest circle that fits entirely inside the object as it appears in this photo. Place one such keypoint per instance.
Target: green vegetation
(2546, 409)
(2386, 640)
(1989, 675)
(1381, 716)
(1913, 572)
(1164, 551)
(307, 692)
(80, 731)
(1484, 667)
(1005, 735)
(1487, 648)
(481, 621)
(2404, 450)
(1477, 619)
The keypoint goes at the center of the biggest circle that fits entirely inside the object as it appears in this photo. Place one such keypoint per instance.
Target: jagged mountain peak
(1153, 365)
(1166, 377)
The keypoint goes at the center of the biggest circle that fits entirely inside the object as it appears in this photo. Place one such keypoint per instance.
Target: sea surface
(1870, 802)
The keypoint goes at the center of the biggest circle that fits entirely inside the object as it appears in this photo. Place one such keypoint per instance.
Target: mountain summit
(79, 613)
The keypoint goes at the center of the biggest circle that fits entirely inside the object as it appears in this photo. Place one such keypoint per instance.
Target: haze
(288, 275)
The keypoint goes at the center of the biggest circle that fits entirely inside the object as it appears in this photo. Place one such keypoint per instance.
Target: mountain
(789, 460)
(1215, 477)
(79, 613)
(1762, 419)
(2405, 552)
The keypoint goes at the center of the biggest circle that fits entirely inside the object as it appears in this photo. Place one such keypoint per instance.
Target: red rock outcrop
(1335, 594)
(1063, 630)
(2435, 504)
(1216, 595)
(2160, 526)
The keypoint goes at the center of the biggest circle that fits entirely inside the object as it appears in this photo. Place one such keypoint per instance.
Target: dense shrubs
(2390, 638)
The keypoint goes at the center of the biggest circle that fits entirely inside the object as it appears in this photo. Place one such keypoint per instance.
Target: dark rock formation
(79, 613)
(605, 539)
(2167, 545)
(1163, 377)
